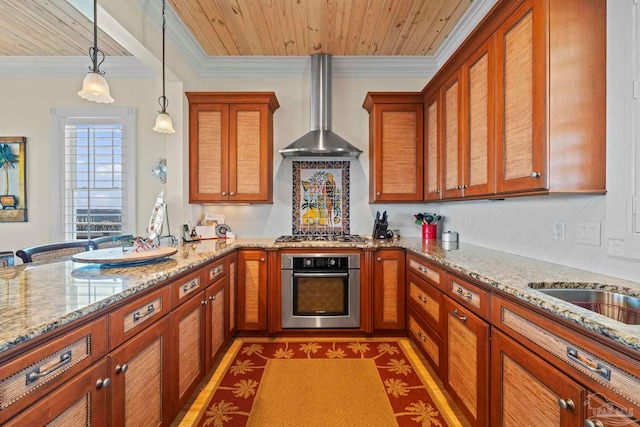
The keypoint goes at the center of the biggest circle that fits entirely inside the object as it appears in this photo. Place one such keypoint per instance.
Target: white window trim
(58, 116)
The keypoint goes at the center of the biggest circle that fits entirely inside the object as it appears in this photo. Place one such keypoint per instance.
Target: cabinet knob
(593, 423)
(436, 191)
(203, 302)
(261, 259)
(212, 297)
(379, 259)
(224, 193)
(232, 193)
(122, 368)
(378, 193)
(566, 404)
(535, 175)
(101, 383)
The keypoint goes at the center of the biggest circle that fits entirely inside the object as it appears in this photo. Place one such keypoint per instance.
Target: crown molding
(71, 67)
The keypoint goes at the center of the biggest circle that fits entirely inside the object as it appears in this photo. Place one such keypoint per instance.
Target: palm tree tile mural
(13, 200)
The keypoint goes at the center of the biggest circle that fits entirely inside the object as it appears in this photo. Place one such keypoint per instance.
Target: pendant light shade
(95, 87)
(163, 121)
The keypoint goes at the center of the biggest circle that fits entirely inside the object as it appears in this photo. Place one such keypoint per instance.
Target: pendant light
(163, 121)
(95, 87)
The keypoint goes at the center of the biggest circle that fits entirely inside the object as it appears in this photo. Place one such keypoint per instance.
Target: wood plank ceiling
(305, 27)
(249, 27)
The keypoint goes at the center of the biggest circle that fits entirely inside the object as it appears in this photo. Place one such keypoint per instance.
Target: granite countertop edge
(491, 267)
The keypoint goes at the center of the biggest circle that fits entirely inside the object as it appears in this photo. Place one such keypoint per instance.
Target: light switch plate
(588, 233)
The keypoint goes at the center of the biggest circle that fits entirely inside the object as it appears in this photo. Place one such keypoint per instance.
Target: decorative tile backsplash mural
(321, 197)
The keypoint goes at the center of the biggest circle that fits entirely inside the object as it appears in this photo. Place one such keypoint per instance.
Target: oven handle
(320, 275)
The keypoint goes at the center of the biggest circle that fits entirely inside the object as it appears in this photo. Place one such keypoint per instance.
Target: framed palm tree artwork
(13, 197)
(321, 198)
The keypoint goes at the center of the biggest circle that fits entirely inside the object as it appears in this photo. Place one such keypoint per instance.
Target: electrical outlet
(616, 247)
(559, 230)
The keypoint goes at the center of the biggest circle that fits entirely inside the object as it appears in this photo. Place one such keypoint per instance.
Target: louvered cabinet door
(252, 290)
(432, 122)
(389, 290)
(208, 152)
(216, 321)
(466, 370)
(452, 147)
(83, 401)
(188, 361)
(478, 169)
(250, 153)
(520, 100)
(525, 390)
(140, 371)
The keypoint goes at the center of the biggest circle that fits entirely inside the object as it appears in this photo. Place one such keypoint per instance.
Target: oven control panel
(322, 263)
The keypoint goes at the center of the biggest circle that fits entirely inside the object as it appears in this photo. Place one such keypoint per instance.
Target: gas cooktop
(339, 238)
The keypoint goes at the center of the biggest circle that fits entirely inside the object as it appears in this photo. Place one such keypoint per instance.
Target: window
(93, 172)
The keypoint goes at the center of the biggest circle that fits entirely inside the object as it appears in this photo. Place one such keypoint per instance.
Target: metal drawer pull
(593, 423)
(566, 404)
(216, 271)
(137, 316)
(461, 292)
(421, 298)
(422, 337)
(43, 371)
(462, 318)
(187, 288)
(599, 369)
(101, 383)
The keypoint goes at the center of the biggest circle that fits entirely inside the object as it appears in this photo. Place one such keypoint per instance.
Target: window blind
(94, 193)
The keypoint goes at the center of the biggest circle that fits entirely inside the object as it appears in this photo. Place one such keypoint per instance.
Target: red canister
(429, 231)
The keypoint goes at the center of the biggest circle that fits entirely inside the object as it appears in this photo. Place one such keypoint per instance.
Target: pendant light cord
(163, 101)
(93, 50)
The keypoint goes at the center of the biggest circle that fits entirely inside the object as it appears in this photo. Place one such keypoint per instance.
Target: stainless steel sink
(620, 307)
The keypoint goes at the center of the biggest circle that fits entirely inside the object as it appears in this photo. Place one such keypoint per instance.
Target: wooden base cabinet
(216, 309)
(525, 390)
(252, 290)
(466, 364)
(140, 373)
(389, 289)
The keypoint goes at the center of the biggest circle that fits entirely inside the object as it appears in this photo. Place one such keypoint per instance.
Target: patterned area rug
(321, 383)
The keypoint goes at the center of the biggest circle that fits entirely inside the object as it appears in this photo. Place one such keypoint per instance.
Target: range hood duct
(320, 141)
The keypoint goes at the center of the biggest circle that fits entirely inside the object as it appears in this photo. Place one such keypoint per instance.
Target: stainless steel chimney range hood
(320, 141)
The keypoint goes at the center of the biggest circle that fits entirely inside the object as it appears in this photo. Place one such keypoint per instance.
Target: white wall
(25, 111)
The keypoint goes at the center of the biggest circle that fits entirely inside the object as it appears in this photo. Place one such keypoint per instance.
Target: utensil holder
(429, 231)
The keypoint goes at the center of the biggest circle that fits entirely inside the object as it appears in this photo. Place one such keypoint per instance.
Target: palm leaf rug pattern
(231, 402)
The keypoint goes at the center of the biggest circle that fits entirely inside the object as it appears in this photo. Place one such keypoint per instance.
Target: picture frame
(13, 186)
(321, 197)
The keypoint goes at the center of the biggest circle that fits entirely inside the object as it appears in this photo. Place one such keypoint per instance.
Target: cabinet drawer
(28, 378)
(576, 355)
(186, 287)
(426, 270)
(216, 270)
(469, 295)
(427, 340)
(127, 321)
(426, 301)
(84, 398)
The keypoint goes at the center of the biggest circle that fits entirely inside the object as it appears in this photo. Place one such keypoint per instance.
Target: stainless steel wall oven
(320, 290)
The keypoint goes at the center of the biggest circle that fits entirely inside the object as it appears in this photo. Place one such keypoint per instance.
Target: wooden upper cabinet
(395, 146)
(231, 147)
(432, 183)
(452, 137)
(550, 97)
(478, 170)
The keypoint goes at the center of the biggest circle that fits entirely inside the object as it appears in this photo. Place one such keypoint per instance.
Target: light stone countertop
(38, 298)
